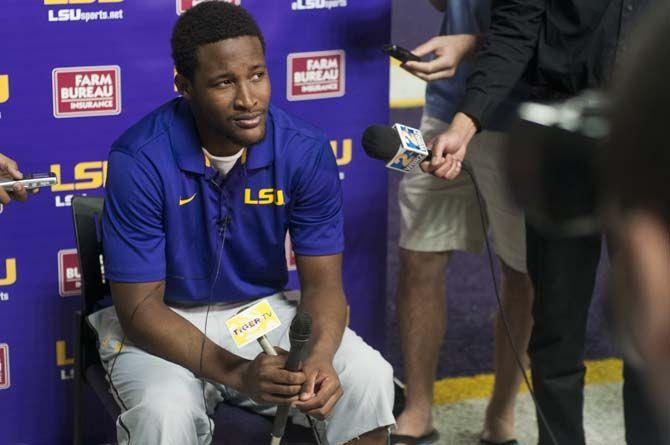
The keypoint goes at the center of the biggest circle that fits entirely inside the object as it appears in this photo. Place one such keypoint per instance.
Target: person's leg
(487, 158)
(364, 414)
(640, 417)
(421, 308)
(517, 299)
(563, 274)
(162, 403)
(436, 217)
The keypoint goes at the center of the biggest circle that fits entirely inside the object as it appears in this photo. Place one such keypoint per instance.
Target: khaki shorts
(440, 216)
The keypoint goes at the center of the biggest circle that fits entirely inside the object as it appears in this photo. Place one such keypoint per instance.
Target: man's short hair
(637, 170)
(208, 22)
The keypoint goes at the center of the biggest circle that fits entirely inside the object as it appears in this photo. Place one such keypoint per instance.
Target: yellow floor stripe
(458, 389)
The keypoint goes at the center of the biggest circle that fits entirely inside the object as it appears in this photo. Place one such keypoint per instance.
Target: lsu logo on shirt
(4, 88)
(183, 5)
(9, 277)
(265, 196)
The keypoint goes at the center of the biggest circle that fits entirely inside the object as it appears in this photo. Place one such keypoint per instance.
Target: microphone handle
(292, 364)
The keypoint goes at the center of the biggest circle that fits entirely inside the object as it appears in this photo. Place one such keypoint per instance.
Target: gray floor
(460, 423)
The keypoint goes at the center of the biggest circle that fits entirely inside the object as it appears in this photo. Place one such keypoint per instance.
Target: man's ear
(183, 85)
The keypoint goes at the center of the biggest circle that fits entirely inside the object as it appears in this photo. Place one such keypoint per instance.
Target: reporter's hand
(321, 390)
(265, 380)
(449, 148)
(9, 170)
(449, 51)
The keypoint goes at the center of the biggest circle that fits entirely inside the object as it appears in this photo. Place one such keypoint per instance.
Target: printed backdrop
(73, 75)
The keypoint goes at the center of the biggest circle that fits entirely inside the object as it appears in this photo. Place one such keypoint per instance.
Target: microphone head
(301, 327)
(381, 142)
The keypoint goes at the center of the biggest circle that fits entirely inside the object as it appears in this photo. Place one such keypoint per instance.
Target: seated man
(200, 195)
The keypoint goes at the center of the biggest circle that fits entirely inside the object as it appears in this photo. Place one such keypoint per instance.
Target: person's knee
(422, 266)
(516, 279)
(171, 411)
(371, 376)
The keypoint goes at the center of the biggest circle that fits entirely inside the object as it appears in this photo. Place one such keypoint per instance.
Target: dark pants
(563, 272)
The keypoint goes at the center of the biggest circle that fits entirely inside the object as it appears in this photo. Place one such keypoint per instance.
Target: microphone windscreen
(380, 142)
(301, 326)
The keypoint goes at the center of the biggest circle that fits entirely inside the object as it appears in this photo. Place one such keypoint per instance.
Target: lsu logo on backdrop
(343, 152)
(63, 13)
(4, 88)
(69, 278)
(315, 75)
(90, 175)
(62, 360)
(86, 91)
(299, 5)
(9, 276)
(183, 5)
(5, 381)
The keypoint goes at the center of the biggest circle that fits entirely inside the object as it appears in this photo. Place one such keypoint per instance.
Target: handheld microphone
(299, 334)
(402, 147)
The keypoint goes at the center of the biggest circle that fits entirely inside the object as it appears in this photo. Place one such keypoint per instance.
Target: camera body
(553, 155)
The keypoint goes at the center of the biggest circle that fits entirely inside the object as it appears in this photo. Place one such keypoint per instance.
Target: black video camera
(553, 154)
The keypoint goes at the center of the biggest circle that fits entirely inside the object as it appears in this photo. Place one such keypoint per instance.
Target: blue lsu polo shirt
(169, 215)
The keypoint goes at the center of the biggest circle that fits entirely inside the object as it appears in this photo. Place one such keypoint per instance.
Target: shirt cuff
(479, 107)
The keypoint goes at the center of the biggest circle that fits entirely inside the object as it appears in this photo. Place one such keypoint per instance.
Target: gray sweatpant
(155, 394)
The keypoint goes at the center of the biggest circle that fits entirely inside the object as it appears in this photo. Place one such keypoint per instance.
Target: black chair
(234, 425)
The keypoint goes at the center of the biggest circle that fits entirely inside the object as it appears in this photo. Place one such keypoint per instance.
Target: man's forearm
(329, 318)
(162, 332)
(509, 45)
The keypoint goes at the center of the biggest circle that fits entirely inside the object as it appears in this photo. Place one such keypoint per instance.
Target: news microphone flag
(412, 150)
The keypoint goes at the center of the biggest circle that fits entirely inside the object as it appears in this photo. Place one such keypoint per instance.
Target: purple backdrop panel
(326, 66)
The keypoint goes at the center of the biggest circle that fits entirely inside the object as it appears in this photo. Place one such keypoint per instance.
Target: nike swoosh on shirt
(187, 200)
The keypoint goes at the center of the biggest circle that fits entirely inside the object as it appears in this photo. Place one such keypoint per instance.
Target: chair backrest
(87, 213)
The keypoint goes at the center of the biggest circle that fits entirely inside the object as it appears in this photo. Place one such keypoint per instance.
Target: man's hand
(322, 388)
(449, 148)
(265, 380)
(449, 51)
(9, 170)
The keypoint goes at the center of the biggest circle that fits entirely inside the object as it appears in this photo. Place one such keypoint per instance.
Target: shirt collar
(187, 147)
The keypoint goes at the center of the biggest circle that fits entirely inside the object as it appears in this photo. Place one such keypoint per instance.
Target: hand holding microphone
(449, 148)
(403, 148)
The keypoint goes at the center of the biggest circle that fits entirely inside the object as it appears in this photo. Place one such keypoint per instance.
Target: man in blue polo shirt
(200, 195)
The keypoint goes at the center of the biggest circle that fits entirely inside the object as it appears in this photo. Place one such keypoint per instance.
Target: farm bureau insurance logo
(315, 75)
(86, 91)
(183, 5)
(4, 366)
(64, 14)
(301, 5)
(69, 278)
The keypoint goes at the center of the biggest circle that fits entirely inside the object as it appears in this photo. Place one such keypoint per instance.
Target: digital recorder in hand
(33, 181)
